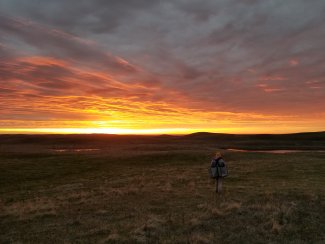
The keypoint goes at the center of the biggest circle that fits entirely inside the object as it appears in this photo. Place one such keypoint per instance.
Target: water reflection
(76, 150)
(272, 151)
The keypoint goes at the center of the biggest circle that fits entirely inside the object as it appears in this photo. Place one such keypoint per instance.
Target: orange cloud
(41, 61)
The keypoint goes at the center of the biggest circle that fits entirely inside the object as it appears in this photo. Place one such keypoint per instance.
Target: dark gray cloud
(56, 43)
(235, 55)
(98, 16)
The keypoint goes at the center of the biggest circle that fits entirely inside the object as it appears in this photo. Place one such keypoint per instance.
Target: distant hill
(303, 135)
(306, 140)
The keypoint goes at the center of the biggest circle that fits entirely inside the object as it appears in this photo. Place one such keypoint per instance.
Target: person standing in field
(218, 170)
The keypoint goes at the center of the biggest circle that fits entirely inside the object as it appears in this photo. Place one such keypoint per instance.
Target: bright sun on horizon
(161, 67)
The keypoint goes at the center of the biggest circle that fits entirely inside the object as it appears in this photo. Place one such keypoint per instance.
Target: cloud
(56, 43)
(97, 16)
(164, 57)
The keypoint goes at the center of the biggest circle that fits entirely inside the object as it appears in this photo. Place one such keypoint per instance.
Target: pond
(75, 150)
(272, 151)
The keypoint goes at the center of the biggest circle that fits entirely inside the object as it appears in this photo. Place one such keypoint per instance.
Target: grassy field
(54, 189)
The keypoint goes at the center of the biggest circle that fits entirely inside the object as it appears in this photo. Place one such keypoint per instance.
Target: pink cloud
(294, 62)
(273, 78)
(267, 88)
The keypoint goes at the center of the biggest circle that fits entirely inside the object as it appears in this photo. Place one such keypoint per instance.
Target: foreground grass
(134, 194)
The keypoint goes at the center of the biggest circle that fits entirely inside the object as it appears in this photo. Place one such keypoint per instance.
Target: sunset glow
(161, 67)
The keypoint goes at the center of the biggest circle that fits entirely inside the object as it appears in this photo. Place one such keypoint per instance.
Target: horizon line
(137, 132)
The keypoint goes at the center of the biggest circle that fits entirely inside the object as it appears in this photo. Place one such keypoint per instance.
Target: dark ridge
(71, 139)
(303, 135)
(307, 140)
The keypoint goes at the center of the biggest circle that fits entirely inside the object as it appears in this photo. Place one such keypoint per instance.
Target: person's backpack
(218, 168)
(213, 172)
(222, 168)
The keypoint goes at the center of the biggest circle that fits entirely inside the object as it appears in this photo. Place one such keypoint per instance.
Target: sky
(162, 67)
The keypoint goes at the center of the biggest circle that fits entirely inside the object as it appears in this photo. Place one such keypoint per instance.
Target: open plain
(156, 189)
